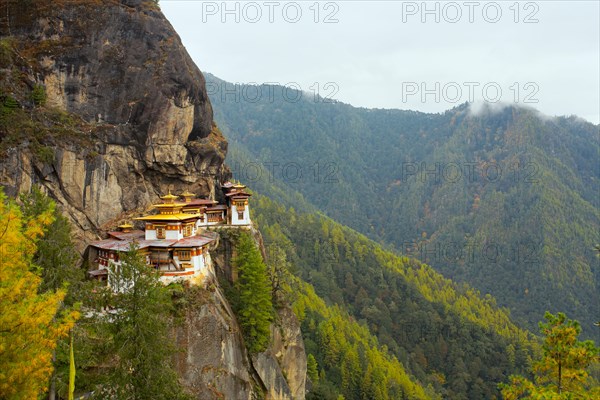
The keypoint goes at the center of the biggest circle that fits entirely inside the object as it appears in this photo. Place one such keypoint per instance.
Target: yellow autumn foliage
(30, 322)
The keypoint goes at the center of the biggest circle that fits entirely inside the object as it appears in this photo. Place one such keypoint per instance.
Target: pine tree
(30, 323)
(278, 270)
(38, 95)
(562, 373)
(139, 332)
(56, 256)
(312, 369)
(57, 262)
(255, 308)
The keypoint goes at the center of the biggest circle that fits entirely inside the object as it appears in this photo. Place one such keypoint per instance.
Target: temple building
(237, 204)
(175, 240)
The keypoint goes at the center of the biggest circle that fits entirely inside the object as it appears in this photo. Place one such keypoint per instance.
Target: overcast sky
(401, 54)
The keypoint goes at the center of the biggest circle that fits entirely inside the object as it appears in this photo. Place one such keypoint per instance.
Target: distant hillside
(506, 200)
(454, 341)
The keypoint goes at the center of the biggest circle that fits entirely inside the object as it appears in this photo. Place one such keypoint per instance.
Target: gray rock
(122, 69)
(282, 367)
(213, 363)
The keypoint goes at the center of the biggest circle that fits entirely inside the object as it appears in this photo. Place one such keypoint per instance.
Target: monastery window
(184, 255)
(240, 215)
(215, 217)
(160, 232)
(187, 230)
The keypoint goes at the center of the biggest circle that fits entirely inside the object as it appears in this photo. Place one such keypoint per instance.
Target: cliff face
(214, 364)
(282, 367)
(143, 119)
(125, 117)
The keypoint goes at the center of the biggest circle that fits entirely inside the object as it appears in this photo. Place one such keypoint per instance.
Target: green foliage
(540, 215)
(139, 344)
(8, 106)
(312, 369)
(56, 261)
(38, 95)
(355, 365)
(563, 371)
(125, 352)
(278, 271)
(40, 129)
(6, 53)
(447, 335)
(32, 320)
(56, 256)
(255, 307)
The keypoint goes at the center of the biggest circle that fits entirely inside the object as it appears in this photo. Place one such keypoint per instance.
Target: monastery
(175, 240)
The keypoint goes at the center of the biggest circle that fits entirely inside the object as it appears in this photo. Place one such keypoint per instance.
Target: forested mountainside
(505, 199)
(448, 336)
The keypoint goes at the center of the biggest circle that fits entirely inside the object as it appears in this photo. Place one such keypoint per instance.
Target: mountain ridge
(518, 187)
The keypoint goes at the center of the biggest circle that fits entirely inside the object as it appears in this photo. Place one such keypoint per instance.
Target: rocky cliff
(118, 80)
(214, 363)
(101, 105)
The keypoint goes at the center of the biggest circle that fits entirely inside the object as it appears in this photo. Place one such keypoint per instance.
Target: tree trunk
(559, 377)
(52, 390)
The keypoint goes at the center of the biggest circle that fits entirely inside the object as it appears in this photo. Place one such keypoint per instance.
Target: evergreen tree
(56, 260)
(30, 322)
(139, 332)
(255, 308)
(312, 369)
(562, 373)
(56, 256)
(278, 270)
(38, 95)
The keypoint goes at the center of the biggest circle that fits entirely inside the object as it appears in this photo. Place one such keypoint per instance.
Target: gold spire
(239, 185)
(125, 227)
(188, 196)
(169, 198)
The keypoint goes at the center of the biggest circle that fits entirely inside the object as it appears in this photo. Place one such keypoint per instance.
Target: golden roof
(169, 197)
(187, 194)
(125, 226)
(168, 217)
(170, 205)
